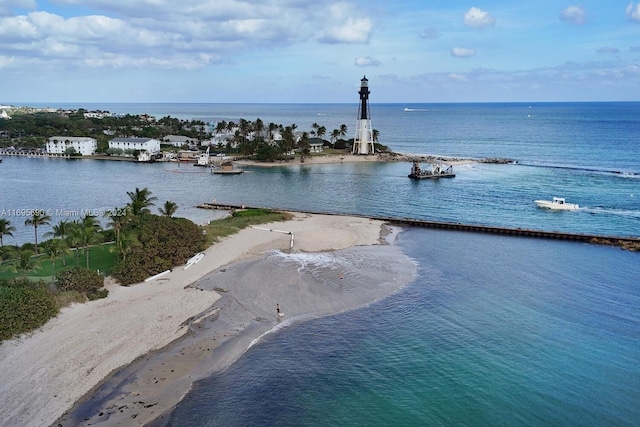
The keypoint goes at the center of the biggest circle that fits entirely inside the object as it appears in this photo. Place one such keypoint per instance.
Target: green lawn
(100, 258)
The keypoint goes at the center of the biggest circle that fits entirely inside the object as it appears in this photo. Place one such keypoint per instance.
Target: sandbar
(129, 358)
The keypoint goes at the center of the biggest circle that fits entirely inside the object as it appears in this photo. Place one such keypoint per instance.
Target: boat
(438, 170)
(558, 203)
(226, 168)
(203, 159)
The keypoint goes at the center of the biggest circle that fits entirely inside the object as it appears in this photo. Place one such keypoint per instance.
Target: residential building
(179, 140)
(82, 144)
(151, 145)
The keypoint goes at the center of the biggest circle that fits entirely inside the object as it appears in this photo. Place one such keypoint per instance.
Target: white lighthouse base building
(363, 141)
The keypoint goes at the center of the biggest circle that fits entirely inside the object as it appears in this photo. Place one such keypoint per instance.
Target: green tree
(89, 233)
(117, 222)
(6, 229)
(37, 219)
(343, 130)
(305, 146)
(60, 230)
(56, 248)
(140, 201)
(334, 136)
(24, 262)
(169, 208)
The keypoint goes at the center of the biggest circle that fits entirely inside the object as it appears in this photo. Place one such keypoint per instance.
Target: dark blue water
(494, 331)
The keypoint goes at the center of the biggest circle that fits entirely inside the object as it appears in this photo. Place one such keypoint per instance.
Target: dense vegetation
(74, 259)
(31, 130)
(254, 139)
(24, 306)
(155, 244)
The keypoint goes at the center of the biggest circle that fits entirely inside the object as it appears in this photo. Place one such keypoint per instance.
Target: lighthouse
(363, 141)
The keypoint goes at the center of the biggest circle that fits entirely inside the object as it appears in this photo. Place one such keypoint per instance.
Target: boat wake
(625, 174)
(627, 213)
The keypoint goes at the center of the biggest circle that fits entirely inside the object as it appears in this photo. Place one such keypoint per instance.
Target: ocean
(495, 330)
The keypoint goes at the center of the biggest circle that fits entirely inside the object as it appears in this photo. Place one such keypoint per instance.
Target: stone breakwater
(396, 157)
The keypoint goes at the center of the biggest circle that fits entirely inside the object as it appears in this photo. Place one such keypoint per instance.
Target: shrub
(164, 243)
(24, 307)
(87, 282)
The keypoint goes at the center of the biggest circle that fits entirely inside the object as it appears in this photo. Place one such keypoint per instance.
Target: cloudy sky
(318, 50)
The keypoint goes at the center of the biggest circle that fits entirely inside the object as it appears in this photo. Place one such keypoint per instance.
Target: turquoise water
(494, 331)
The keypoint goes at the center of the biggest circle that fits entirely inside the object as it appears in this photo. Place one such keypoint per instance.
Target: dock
(626, 242)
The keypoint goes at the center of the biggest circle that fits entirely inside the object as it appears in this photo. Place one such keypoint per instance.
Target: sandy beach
(318, 159)
(182, 326)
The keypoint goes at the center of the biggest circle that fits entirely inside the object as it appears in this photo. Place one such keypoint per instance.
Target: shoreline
(80, 352)
(380, 157)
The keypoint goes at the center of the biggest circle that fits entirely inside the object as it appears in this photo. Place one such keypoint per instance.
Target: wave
(610, 211)
(415, 109)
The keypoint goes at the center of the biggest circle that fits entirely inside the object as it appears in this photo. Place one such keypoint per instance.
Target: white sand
(45, 372)
(317, 159)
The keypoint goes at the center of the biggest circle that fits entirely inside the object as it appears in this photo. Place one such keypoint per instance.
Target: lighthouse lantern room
(363, 141)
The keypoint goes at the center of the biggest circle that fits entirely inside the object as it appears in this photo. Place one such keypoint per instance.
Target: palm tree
(56, 248)
(140, 201)
(6, 229)
(117, 222)
(343, 130)
(129, 242)
(304, 146)
(37, 219)
(169, 208)
(60, 230)
(320, 132)
(375, 134)
(89, 227)
(315, 127)
(24, 262)
(334, 136)
(74, 238)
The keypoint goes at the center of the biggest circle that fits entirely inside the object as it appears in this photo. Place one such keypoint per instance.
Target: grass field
(100, 258)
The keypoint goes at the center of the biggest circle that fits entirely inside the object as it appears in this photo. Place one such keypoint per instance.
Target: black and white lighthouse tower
(363, 141)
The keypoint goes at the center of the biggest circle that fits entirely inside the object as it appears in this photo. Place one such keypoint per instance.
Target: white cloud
(478, 18)
(462, 52)
(366, 61)
(608, 50)
(633, 11)
(574, 14)
(193, 32)
(344, 24)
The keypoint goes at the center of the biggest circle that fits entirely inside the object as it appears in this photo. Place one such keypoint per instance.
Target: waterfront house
(179, 140)
(151, 145)
(84, 145)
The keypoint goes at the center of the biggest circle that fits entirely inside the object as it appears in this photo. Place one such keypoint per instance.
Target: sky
(316, 51)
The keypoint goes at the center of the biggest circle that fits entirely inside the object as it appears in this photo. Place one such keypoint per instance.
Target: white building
(150, 145)
(82, 144)
(179, 140)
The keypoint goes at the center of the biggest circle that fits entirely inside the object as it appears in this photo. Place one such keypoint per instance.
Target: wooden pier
(625, 242)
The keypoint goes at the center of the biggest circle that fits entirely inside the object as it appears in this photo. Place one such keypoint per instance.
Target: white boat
(558, 203)
(203, 159)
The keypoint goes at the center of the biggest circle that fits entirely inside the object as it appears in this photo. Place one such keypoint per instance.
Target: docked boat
(558, 203)
(203, 159)
(438, 170)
